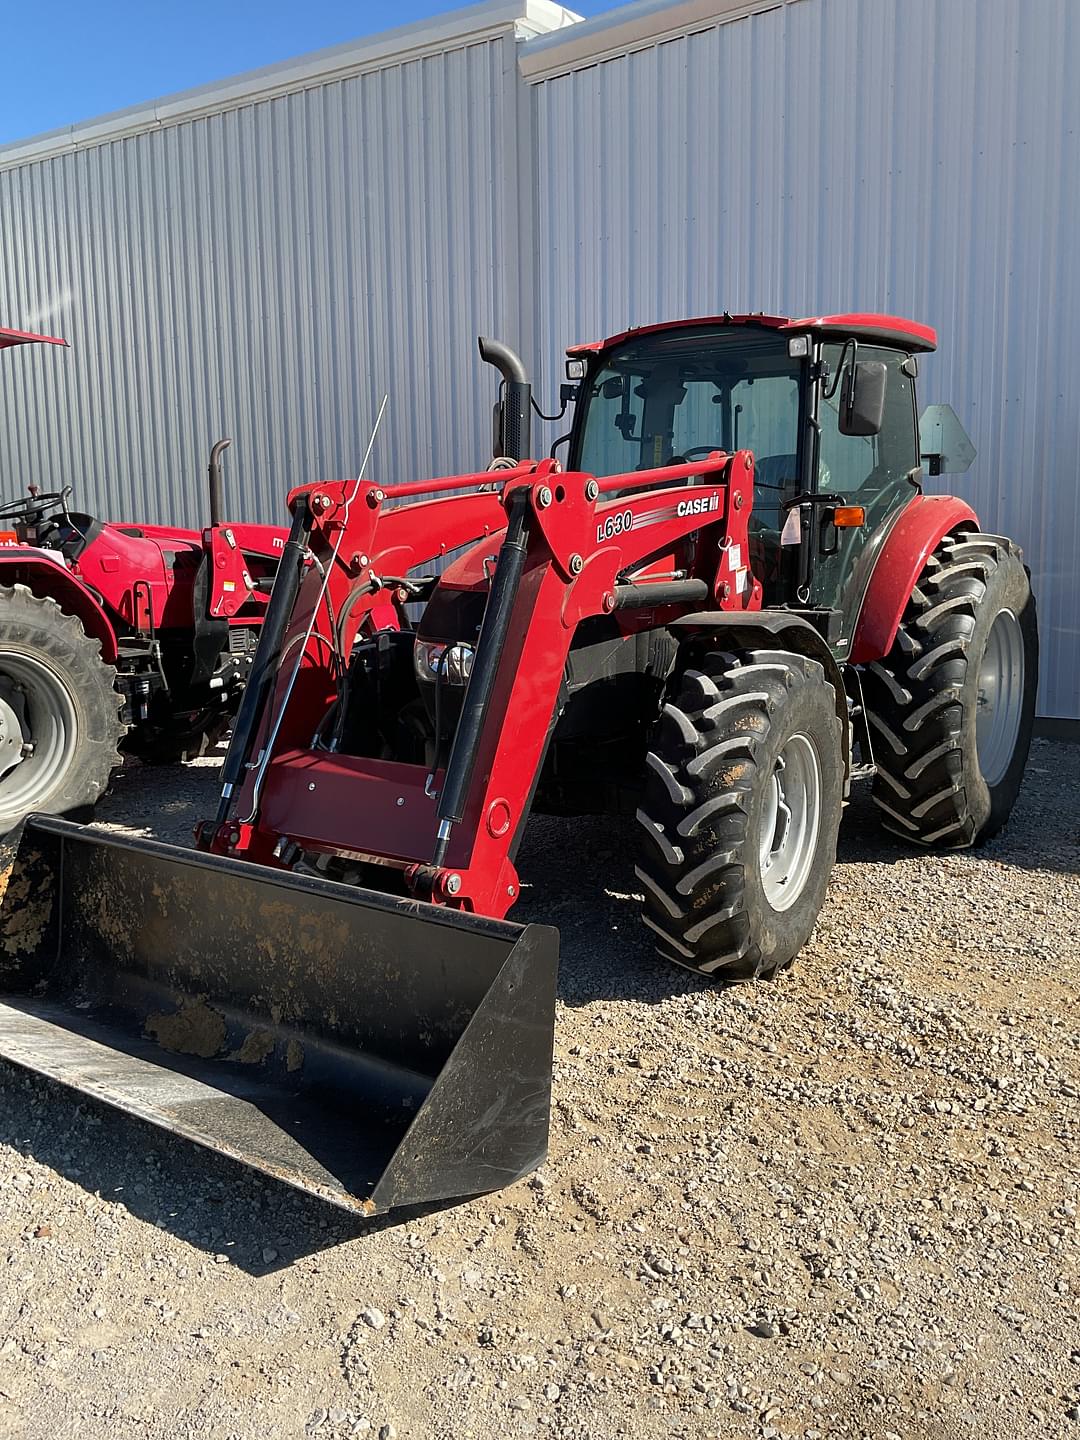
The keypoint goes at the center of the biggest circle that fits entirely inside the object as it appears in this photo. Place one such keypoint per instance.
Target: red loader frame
(574, 547)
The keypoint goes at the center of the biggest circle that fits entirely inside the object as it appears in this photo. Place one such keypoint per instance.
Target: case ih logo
(623, 520)
(701, 505)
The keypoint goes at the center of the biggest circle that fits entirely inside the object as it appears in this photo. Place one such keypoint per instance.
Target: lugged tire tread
(24, 615)
(696, 908)
(919, 785)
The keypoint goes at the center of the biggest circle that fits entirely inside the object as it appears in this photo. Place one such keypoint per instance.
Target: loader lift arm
(639, 547)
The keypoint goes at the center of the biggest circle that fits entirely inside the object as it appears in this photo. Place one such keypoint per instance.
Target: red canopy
(26, 337)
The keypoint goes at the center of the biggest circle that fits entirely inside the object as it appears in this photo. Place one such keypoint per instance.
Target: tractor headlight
(434, 661)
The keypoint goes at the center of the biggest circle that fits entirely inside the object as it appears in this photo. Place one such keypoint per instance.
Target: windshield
(676, 396)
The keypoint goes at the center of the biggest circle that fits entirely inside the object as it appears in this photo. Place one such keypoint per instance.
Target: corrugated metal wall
(269, 270)
(918, 156)
(267, 273)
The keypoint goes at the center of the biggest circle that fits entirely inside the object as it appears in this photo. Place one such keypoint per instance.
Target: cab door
(877, 472)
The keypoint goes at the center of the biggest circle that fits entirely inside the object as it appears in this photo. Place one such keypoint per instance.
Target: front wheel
(952, 706)
(59, 722)
(740, 813)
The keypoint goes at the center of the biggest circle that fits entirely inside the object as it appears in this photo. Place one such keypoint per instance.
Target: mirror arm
(830, 390)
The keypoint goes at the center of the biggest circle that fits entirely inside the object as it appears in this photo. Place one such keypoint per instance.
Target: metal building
(266, 256)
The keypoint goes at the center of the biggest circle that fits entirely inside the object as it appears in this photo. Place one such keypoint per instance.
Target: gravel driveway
(840, 1205)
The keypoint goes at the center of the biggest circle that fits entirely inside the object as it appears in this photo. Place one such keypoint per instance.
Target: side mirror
(862, 398)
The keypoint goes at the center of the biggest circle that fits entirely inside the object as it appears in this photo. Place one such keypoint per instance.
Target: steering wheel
(685, 456)
(32, 507)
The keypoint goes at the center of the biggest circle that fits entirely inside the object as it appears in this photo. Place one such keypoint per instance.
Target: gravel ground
(840, 1205)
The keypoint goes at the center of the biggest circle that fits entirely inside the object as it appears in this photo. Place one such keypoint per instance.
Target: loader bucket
(374, 1051)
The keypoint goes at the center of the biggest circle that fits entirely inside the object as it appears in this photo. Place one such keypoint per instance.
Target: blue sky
(69, 60)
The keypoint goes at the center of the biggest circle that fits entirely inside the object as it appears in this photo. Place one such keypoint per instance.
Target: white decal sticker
(792, 531)
(735, 556)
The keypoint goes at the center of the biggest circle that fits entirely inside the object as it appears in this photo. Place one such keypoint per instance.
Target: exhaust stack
(513, 411)
(213, 475)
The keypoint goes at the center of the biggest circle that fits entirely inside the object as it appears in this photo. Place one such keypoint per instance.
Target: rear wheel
(951, 707)
(740, 813)
(59, 710)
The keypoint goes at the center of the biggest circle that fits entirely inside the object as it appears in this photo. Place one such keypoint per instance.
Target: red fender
(43, 575)
(912, 540)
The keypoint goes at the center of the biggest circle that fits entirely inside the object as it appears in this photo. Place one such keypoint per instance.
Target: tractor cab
(827, 406)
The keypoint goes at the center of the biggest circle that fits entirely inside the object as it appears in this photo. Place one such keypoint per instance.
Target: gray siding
(916, 156)
(266, 263)
(266, 272)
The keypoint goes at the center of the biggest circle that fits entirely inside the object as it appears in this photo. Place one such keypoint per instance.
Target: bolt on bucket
(374, 1051)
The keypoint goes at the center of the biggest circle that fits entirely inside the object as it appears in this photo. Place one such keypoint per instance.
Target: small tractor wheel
(740, 813)
(163, 745)
(951, 707)
(59, 710)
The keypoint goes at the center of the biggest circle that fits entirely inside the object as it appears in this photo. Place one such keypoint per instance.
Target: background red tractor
(732, 598)
(117, 637)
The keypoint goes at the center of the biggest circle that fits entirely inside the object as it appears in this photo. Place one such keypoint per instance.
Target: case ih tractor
(135, 637)
(731, 599)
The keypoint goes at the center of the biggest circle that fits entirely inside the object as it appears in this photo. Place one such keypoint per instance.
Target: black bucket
(373, 1051)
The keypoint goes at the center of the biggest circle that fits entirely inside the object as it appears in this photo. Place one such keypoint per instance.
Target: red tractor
(117, 637)
(731, 599)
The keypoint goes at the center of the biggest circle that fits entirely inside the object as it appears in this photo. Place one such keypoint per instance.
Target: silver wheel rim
(999, 704)
(790, 822)
(39, 732)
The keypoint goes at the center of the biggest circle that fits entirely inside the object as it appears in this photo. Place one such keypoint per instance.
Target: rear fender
(45, 576)
(911, 542)
(771, 629)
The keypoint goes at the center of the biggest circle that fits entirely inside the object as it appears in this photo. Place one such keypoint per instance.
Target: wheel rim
(39, 732)
(791, 820)
(1000, 699)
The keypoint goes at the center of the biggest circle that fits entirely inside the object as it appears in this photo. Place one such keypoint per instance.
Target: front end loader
(730, 600)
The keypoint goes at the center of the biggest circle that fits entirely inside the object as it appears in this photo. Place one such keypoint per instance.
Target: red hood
(26, 337)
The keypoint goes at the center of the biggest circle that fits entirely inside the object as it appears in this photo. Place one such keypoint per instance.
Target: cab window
(870, 470)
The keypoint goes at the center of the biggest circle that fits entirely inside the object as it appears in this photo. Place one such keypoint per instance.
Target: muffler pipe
(264, 666)
(213, 471)
(516, 426)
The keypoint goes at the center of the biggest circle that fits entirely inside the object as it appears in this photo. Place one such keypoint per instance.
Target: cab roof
(26, 337)
(890, 329)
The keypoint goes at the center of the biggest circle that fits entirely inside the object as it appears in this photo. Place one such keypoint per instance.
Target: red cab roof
(891, 329)
(26, 337)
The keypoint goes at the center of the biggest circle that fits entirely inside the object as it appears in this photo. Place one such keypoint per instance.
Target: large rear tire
(740, 813)
(59, 711)
(951, 707)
